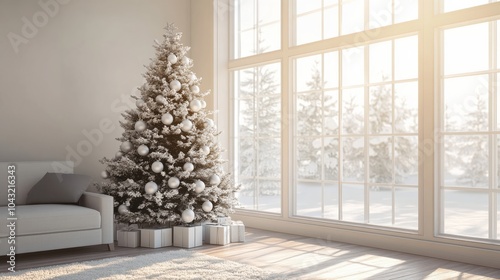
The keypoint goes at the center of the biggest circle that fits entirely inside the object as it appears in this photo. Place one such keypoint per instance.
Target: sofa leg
(111, 246)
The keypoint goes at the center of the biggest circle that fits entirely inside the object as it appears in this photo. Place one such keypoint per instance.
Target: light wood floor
(291, 255)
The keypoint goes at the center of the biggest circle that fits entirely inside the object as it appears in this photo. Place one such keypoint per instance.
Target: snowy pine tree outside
(168, 169)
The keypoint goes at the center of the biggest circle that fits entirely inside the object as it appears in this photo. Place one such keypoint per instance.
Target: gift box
(219, 234)
(116, 227)
(237, 232)
(188, 236)
(128, 238)
(223, 220)
(206, 231)
(156, 238)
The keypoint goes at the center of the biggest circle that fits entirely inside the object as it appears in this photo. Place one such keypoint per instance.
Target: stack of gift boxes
(223, 232)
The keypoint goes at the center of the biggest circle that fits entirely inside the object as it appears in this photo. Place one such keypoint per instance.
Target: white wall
(72, 73)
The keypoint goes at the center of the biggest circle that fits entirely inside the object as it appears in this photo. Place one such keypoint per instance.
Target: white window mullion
(367, 127)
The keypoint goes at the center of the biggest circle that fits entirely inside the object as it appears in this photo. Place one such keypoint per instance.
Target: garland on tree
(168, 169)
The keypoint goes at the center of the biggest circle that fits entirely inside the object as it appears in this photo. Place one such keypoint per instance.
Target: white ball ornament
(185, 61)
(187, 215)
(122, 209)
(151, 187)
(167, 118)
(207, 206)
(172, 58)
(140, 103)
(192, 77)
(140, 126)
(195, 105)
(104, 174)
(157, 167)
(214, 180)
(205, 150)
(210, 123)
(186, 125)
(143, 150)
(175, 85)
(195, 89)
(118, 154)
(173, 182)
(161, 99)
(203, 104)
(188, 167)
(199, 186)
(126, 146)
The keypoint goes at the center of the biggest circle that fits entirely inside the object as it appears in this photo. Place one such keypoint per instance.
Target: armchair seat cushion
(51, 218)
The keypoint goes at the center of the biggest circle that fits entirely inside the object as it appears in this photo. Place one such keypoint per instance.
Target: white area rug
(180, 264)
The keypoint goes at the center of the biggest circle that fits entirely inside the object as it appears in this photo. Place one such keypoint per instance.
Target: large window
(379, 115)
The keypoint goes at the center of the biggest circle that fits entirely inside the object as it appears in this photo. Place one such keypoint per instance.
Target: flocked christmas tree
(168, 169)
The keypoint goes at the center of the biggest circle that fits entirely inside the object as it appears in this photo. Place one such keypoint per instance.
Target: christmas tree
(168, 169)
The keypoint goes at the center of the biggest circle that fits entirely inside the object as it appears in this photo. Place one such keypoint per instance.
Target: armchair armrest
(104, 204)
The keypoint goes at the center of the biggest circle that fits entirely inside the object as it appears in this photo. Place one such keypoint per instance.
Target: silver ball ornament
(214, 180)
(173, 182)
(140, 126)
(151, 187)
(126, 146)
(118, 154)
(157, 167)
(122, 209)
(161, 99)
(199, 186)
(186, 125)
(175, 85)
(143, 150)
(104, 174)
(187, 215)
(195, 89)
(172, 58)
(167, 118)
(195, 105)
(188, 167)
(207, 206)
(140, 103)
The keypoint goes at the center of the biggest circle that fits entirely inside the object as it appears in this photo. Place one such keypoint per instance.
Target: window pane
(380, 13)
(309, 152)
(309, 114)
(466, 161)
(380, 62)
(353, 155)
(353, 65)
(453, 5)
(331, 112)
(353, 206)
(381, 109)
(309, 197)
(331, 22)
(331, 200)
(256, 27)
(331, 158)
(466, 213)
(380, 159)
(269, 196)
(307, 6)
(308, 73)
(466, 103)
(353, 111)
(406, 58)
(331, 68)
(460, 56)
(381, 205)
(352, 16)
(406, 207)
(406, 160)
(405, 10)
(309, 27)
(406, 107)
(258, 143)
